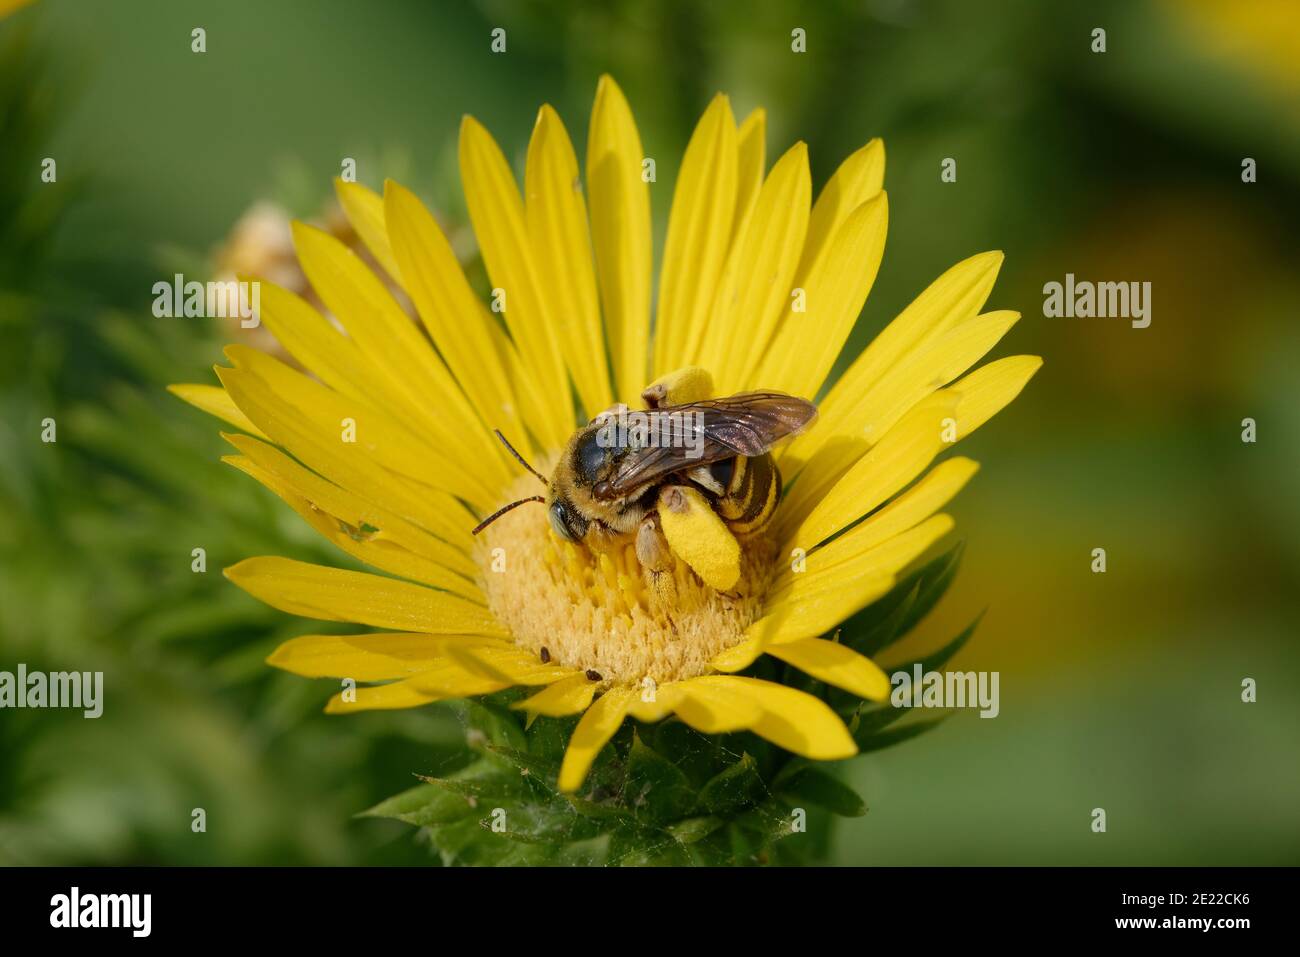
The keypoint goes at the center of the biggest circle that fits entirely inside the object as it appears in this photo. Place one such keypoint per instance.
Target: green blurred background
(1119, 691)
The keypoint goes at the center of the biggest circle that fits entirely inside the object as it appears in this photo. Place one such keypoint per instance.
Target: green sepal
(885, 622)
(655, 788)
(808, 784)
(738, 787)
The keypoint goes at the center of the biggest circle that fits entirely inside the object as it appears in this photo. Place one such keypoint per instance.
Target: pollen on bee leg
(594, 610)
(697, 535)
(688, 384)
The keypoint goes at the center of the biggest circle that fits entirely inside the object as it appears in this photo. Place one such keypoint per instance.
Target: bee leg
(689, 384)
(656, 558)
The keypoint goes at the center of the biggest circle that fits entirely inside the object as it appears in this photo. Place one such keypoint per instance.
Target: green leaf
(496, 724)
(695, 828)
(897, 734)
(939, 658)
(601, 810)
(423, 805)
(655, 788)
(697, 755)
(543, 768)
(494, 788)
(812, 785)
(738, 787)
(640, 849)
(891, 618)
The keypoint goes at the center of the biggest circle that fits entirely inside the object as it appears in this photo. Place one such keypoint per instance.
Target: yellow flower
(387, 448)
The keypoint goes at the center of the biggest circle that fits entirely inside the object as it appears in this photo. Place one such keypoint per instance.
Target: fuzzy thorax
(591, 610)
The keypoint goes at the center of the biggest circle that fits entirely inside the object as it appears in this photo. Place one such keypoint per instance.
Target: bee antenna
(520, 459)
(503, 509)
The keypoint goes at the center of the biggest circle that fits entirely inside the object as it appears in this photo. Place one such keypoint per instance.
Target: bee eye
(591, 455)
(556, 513)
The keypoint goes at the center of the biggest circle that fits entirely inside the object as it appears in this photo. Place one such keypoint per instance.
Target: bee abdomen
(751, 495)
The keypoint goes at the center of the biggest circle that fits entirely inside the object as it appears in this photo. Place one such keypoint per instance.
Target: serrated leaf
(422, 805)
(601, 810)
(897, 734)
(738, 787)
(695, 828)
(697, 755)
(872, 720)
(495, 788)
(891, 618)
(496, 724)
(655, 788)
(940, 657)
(812, 785)
(542, 768)
(635, 849)
(888, 626)
(549, 737)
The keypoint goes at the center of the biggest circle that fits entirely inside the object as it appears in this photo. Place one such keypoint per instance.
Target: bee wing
(746, 424)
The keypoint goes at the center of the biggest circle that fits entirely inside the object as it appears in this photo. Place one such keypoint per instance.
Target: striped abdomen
(751, 489)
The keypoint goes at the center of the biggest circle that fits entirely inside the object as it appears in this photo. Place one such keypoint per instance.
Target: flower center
(592, 610)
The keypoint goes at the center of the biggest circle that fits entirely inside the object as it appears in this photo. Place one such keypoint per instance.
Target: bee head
(566, 520)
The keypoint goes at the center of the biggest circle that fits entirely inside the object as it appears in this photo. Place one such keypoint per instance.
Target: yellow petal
(740, 656)
(859, 178)
(915, 505)
(455, 319)
(561, 249)
(990, 388)
(807, 344)
(836, 665)
(449, 678)
(399, 694)
(507, 663)
(444, 680)
(597, 726)
(393, 444)
(384, 555)
(320, 448)
(890, 465)
(699, 537)
(712, 706)
(955, 296)
(569, 696)
(497, 212)
(652, 703)
(699, 233)
(788, 717)
(355, 511)
(816, 603)
(620, 231)
(751, 145)
(388, 337)
(312, 339)
(755, 290)
(335, 594)
(365, 211)
(876, 411)
(375, 657)
(214, 400)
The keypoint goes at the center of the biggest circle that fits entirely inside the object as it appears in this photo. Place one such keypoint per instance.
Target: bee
(612, 478)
